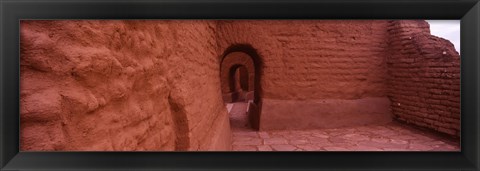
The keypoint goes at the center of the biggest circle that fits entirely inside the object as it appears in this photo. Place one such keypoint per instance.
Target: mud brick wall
(424, 77)
(120, 85)
(314, 59)
(317, 63)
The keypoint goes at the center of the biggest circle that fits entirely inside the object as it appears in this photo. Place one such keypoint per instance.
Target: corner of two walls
(196, 82)
(107, 85)
(424, 77)
(347, 73)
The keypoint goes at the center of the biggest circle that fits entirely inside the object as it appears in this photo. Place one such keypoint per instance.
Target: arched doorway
(239, 82)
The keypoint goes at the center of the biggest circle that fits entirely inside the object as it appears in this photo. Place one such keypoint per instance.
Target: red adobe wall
(120, 85)
(316, 72)
(424, 77)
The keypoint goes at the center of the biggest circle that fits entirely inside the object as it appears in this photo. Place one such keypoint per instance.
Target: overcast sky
(447, 29)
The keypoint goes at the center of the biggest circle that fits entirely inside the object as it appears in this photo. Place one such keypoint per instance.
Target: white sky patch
(447, 29)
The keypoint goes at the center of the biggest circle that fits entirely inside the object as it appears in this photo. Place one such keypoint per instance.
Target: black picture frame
(12, 11)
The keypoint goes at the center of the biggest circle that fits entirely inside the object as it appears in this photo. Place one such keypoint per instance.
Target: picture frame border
(12, 11)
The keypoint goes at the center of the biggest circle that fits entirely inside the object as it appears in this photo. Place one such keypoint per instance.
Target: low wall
(328, 113)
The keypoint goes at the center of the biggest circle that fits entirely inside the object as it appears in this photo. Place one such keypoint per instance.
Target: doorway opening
(239, 89)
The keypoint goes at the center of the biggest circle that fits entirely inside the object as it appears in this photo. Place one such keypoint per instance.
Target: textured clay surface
(121, 85)
(156, 85)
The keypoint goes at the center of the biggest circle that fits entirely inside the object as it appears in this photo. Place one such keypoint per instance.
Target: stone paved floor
(390, 137)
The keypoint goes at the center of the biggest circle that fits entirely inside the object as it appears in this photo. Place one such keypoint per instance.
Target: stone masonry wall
(120, 85)
(424, 77)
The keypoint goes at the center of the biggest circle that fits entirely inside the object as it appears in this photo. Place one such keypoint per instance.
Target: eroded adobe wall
(424, 77)
(318, 73)
(121, 85)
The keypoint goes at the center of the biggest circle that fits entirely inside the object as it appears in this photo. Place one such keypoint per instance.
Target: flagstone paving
(389, 137)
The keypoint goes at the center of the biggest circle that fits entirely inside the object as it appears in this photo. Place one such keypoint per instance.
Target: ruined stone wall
(121, 85)
(337, 67)
(424, 77)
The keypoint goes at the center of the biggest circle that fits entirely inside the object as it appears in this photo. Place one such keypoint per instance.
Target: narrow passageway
(388, 137)
(238, 116)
